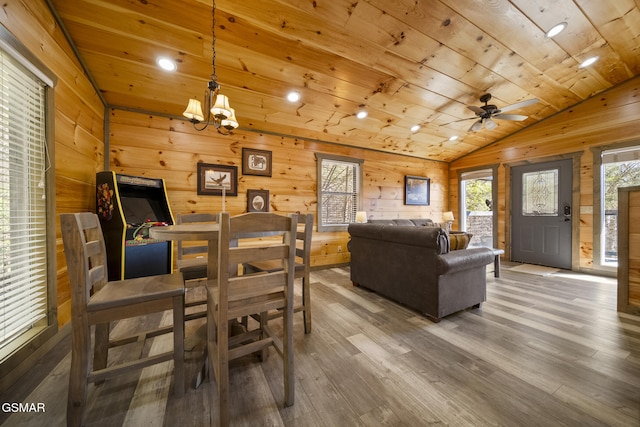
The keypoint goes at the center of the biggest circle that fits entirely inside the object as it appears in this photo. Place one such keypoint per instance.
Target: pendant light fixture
(219, 113)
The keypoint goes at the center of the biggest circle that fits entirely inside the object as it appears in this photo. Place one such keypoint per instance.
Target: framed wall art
(416, 190)
(256, 162)
(211, 179)
(257, 200)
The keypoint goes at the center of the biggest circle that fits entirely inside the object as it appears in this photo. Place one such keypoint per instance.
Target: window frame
(32, 344)
(358, 163)
(598, 203)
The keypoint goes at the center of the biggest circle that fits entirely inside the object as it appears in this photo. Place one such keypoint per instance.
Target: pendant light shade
(231, 122)
(194, 110)
(220, 109)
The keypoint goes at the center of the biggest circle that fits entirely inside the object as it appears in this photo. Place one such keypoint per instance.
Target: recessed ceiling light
(556, 29)
(589, 61)
(293, 96)
(415, 128)
(453, 138)
(167, 64)
(362, 114)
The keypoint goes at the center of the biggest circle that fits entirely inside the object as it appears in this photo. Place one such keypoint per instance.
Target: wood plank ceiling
(405, 62)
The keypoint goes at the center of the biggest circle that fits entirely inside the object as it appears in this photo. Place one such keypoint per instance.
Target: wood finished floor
(542, 351)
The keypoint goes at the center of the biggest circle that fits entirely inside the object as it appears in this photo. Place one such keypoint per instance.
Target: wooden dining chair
(239, 296)
(96, 301)
(302, 267)
(192, 262)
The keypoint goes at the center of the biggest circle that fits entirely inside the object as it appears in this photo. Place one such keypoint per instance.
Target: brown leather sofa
(412, 265)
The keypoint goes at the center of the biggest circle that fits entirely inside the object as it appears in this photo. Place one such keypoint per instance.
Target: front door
(541, 214)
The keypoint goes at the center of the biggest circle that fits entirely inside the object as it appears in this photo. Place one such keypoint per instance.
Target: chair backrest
(254, 287)
(86, 256)
(199, 248)
(304, 237)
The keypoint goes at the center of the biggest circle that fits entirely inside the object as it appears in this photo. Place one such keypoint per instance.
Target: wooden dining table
(195, 231)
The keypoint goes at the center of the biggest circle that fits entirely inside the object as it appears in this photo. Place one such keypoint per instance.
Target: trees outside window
(615, 174)
(339, 187)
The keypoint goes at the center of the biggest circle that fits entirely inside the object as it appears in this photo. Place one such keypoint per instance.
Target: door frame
(494, 195)
(575, 202)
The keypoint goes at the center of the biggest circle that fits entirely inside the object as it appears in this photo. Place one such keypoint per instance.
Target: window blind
(23, 162)
(339, 191)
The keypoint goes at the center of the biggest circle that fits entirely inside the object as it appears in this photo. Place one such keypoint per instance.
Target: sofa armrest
(464, 259)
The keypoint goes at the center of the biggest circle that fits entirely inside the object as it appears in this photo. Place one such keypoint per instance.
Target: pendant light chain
(214, 76)
(218, 111)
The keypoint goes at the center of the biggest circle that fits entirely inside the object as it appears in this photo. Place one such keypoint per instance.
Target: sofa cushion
(433, 238)
(405, 222)
(459, 240)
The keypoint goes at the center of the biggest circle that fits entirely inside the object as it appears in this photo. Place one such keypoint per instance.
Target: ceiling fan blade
(476, 126)
(475, 109)
(519, 105)
(515, 117)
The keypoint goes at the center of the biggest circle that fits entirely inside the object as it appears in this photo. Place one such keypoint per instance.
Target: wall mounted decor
(416, 190)
(256, 162)
(211, 179)
(257, 200)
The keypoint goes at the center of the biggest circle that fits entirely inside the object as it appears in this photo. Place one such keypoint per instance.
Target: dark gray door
(541, 214)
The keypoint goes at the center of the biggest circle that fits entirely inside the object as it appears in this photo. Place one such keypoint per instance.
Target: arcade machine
(128, 206)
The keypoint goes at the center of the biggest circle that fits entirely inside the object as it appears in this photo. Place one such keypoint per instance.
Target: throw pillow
(459, 240)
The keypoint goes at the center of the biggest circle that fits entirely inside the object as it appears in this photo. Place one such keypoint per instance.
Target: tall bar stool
(96, 301)
(302, 267)
(239, 296)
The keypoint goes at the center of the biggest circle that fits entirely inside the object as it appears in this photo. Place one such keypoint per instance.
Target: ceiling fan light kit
(219, 113)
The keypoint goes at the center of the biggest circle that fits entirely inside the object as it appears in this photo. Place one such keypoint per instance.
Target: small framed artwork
(257, 200)
(256, 162)
(212, 178)
(416, 190)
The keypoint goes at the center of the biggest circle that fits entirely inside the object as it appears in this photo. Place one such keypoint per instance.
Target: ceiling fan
(488, 112)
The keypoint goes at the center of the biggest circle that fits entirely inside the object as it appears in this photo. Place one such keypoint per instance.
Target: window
(24, 219)
(620, 168)
(540, 193)
(339, 187)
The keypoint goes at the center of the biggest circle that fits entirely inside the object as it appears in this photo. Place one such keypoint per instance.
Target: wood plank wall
(166, 148)
(79, 121)
(608, 119)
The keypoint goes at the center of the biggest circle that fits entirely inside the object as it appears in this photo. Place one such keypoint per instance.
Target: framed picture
(416, 190)
(211, 179)
(256, 162)
(257, 200)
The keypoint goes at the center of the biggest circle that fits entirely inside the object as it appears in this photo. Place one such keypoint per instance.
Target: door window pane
(477, 205)
(540, 193)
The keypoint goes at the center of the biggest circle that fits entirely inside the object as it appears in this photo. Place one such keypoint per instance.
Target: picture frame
(211, 177)
(257, 200)
(417, 190)
(256, 162)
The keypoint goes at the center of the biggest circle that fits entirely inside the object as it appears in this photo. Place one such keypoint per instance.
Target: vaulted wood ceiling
(406, 62)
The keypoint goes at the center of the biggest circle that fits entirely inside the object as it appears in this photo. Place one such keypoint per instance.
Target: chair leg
(222, 371)
(287, 356)
(306, 301)
(264, 320)
(101, 349)
(178, 345)
(78, 375)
